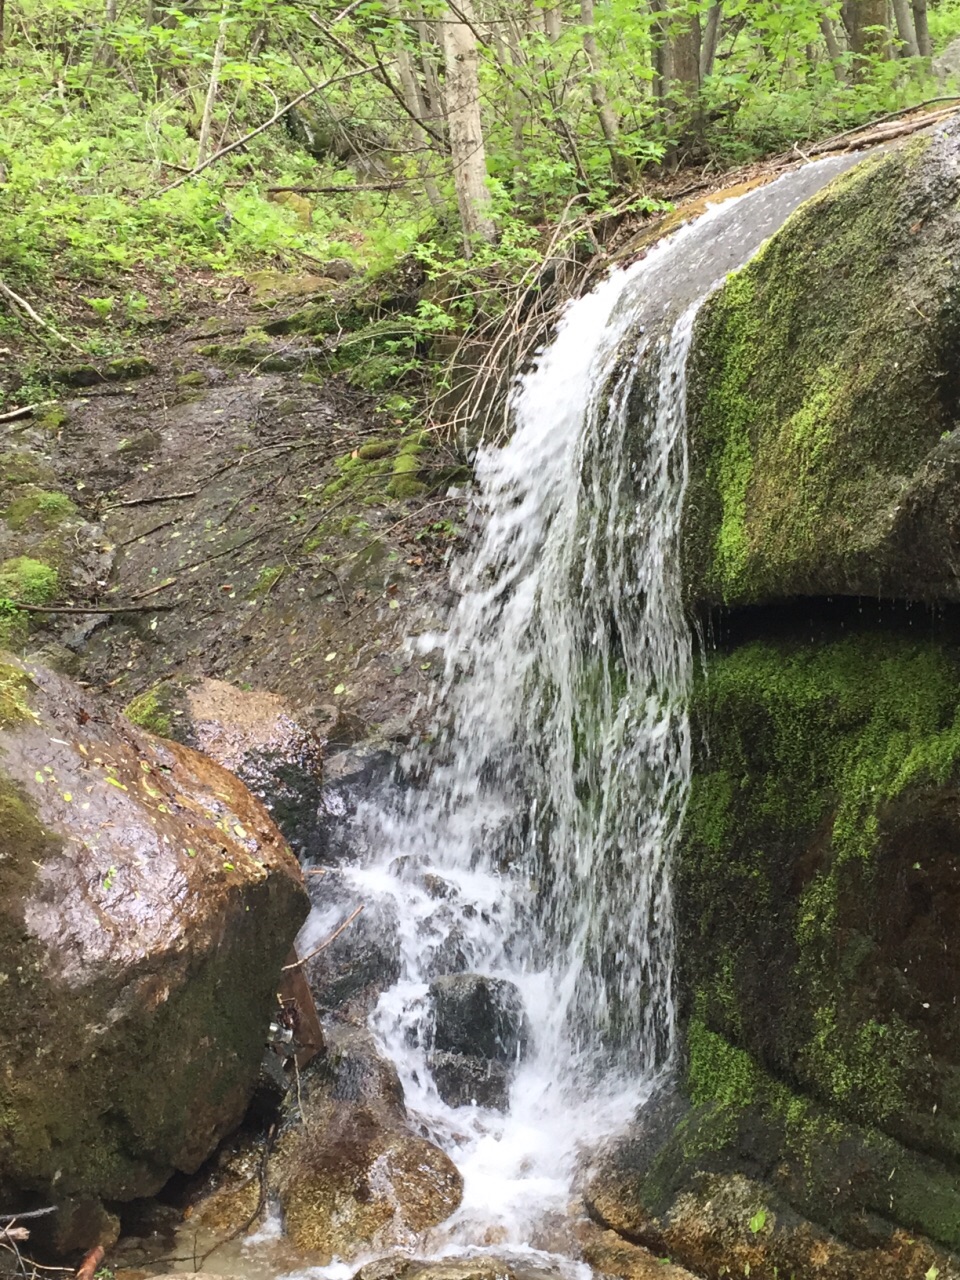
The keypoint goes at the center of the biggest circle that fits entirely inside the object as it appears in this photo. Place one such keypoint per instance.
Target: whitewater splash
(538, 849)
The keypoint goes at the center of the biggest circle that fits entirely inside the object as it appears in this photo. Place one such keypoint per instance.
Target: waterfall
(537, 849)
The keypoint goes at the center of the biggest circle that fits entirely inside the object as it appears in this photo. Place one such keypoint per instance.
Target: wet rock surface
(464, 1080)
(822, 397)
(479, 1016)
(351, 1175)
(147, 903)
(354, 967)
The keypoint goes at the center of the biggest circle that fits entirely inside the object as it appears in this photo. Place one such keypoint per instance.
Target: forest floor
(212, 484)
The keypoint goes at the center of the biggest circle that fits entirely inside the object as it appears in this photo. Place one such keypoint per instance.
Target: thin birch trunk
(834, 52)
(905, 32)
(203, 145)
(415, 107)
(623, 170)
(924, 43)
(711, 37)
(462, 93)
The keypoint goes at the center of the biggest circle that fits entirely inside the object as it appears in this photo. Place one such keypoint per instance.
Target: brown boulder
(147, 903)
(352, 1177)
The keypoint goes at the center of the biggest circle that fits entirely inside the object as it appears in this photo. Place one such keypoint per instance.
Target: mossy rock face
(817, 873)
(824, 396)
(147, 904)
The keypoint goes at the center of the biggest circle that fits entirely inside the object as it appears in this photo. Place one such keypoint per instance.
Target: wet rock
(352, 1176)
(768, 1183)
(611, 1255)
(479, 1016)
(259, 737)
(481, 1266)
(147, 903)
(351, 777)
(824, 457)
(361, 961)
(464, 1081)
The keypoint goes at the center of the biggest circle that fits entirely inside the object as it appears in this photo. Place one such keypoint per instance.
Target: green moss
(129, 367)
(53, 418)
(405, 481)
(14, 689)
(377, 449)
(812, 390)
(266, 578)
(193, 379)
(149, 712)
(813, 752)
(18, 467)
(39, 507)
(28, 581)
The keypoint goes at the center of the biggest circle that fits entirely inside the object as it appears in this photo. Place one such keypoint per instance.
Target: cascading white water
(538, 847)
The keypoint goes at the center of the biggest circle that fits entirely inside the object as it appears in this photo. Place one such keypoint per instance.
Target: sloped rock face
(147, 903)
(823, 396)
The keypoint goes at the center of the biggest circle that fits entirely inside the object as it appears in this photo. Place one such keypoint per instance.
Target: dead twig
(147, 502)
(22, 305)
(25, 412)
(326, 942)
(277, 115)
(71, 608)
(152, 591)
(30, 1213)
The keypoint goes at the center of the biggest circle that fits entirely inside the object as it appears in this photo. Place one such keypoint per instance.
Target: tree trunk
(203, 145)
(415, 106)
(866, 24)
(711, 37)
(834, 52)
(905, 32)
(552, 19)
(924, 44)
(462, 94)
(623, 170)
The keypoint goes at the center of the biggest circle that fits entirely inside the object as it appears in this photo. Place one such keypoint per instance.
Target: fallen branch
(88, 1266)
(25, 411)
(76, 608)
(277, 115)
(14, 1233)
(146, 502)
(335, 190)
(152, 591)
(22, 305)
(31, 1213)
(326, 942)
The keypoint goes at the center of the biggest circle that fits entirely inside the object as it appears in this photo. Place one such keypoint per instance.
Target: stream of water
(538, 848)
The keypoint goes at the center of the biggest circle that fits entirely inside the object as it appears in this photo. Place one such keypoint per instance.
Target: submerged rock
(479, 1016)
(464, 1080)
(351, 971)
(147, 903)
(480, 1266)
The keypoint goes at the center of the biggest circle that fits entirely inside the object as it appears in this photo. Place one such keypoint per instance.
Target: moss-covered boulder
(817, 907)
(824, 396)
(147, 903)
